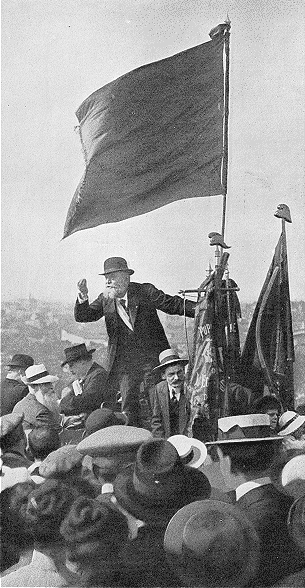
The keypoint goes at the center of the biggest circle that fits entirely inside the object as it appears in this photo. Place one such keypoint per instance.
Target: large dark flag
(150, 137)
(268, 353)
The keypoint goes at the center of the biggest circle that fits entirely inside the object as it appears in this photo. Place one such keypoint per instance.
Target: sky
(54, 54)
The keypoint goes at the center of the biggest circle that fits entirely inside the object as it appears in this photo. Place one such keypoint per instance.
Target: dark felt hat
(21, 360)
(210, 543)
(77, 352)
(159, 484)
(116, 264)
(102, 418)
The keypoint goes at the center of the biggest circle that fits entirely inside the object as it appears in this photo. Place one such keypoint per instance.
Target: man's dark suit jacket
(12, 391)
(36, 414)
(143, 302)
(160, 423)
(268, 510)
(94, 393)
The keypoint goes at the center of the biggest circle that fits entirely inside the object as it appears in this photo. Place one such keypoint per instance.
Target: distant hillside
(44, 329)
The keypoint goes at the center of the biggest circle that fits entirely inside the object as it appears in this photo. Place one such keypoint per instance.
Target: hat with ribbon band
(289, 422)
(38, 374)
(77, 352)
(168, 357)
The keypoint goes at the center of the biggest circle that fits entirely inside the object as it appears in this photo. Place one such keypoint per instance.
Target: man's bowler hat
(116, 264)
(77, 352)
(21, 360)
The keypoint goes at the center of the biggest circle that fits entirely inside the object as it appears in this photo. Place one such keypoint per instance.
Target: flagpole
(224, 174)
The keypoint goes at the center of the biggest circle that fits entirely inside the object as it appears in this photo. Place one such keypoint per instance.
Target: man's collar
(251, 485)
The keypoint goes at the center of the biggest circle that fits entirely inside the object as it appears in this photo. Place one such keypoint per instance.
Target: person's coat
(160, 422)
(40, 572)
(36, 414)
(268, 510)
(94, 393)
(12, 391)
(143, 302)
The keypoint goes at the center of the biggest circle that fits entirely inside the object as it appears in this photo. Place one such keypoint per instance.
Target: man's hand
(74, 421)
(82, 288)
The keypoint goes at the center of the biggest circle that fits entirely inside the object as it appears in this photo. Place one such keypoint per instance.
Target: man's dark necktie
(174, 399)
(123, 303)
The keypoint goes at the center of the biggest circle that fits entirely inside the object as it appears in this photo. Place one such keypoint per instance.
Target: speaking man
(136, 336)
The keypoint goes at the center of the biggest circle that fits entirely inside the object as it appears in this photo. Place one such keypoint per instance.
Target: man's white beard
(50, 403)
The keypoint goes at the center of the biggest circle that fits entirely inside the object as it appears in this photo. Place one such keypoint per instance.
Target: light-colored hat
(293, 476)
(210, 543)
(244, 428)
(191, 451)
(167, 357)
(38, 374)
(289, 422)
(113, 440)
(12, 476)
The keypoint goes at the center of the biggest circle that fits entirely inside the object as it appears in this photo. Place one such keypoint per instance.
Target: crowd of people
(105, 483)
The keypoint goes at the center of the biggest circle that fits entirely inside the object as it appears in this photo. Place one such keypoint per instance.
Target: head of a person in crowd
(45, 509)
(17, 366)
(117, 276)
(79, 359)
(172, 369)
(65, 465)
(271, 406)
(41, 384)
(158, 484)
(102, 418)
(245, 448)
(293, 424)
(211, 543)
(42, 441)
(13, 440)
(112, 449)
(94, 533)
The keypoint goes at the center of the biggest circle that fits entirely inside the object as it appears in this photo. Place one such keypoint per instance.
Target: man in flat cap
(13, 389)
(136, 336)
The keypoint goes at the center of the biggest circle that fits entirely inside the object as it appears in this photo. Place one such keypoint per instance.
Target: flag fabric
(151, 137)
(268, 353)
(205, 381)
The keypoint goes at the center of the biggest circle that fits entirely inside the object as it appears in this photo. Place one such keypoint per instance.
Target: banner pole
(224, 173)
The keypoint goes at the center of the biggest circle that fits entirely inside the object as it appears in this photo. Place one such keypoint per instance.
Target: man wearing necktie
(171, 409)
(135, 334)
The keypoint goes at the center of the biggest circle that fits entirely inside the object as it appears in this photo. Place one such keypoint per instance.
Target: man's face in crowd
(117, 283)
(174, 375)
(16, 373)
(273, 415)
(46, 395)
(80, 368)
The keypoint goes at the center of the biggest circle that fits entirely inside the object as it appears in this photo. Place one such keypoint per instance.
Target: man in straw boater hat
(136, 335)
(89, 391)
(13, 389)
(171, 408)
(246, 452)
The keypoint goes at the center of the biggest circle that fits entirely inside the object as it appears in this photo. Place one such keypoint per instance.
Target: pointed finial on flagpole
(283, 212)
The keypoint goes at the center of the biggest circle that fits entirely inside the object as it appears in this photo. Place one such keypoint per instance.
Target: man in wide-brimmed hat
(152, 491)
(171, 409)
(136, 335)
(13, 389)
(246, 451)
(89, 391)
